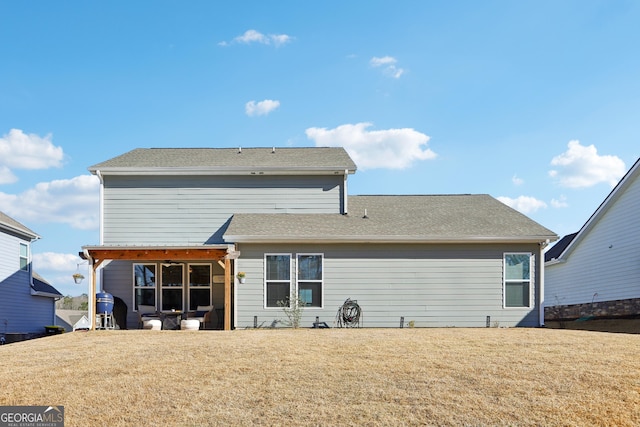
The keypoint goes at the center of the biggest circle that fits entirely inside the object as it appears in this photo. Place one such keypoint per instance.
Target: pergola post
(227, 294)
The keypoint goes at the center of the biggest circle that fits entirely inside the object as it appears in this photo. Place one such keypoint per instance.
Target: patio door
(172, 294)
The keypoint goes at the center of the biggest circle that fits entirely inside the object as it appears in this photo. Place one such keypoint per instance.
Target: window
(24, 257)
(171, 294)
(199, 285)
(517, 279)
(144, 284)
(310, 280)
(277, 279)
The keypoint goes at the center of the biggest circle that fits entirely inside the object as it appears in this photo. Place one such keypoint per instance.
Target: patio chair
(146, 312)
(203, 314)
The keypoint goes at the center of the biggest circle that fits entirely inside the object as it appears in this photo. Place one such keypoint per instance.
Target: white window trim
(532, 276)
(311, 281)
(161, 287)
(134, 287)
(188, 286)
(264, 274)
(27, 258)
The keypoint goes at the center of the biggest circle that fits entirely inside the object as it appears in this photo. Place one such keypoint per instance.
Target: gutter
(541, 290)
(377, 239)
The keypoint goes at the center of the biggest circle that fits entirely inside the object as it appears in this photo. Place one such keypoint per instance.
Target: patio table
(171, 319)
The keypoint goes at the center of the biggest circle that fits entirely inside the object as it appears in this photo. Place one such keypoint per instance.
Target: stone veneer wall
(602, 309)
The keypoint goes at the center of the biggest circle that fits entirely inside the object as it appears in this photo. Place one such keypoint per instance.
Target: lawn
(323, 377)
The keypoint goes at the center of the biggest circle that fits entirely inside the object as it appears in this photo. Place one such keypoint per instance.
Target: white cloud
(380, 61)
(253, 36)
(6, 176)
(27, 151)
(69, 201)
(559, 203)
(262, 108)
(516, 180)
(581, 167)
(388, 65)
(280, 39)
(523, 204)
(56, 261)
(389, 149)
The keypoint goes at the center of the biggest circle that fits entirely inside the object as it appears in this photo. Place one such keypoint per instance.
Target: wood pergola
(96, 255)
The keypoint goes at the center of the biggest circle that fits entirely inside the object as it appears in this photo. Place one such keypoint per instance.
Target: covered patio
(221, 255)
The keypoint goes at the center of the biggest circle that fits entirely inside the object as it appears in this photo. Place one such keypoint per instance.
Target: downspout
(345, 196)
(92, 276)
(55, 318)
(541, 291)
(101, 214)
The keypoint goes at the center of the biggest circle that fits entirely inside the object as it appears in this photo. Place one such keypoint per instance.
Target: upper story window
(24, 257)
(517, 279)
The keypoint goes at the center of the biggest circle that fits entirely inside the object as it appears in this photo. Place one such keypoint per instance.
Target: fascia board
(257, 171)
(611, 198)
(19, 232)
(45, 294)
(150, 247)
(379, 239)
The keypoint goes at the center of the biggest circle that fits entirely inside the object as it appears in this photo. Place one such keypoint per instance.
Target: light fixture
(77, 276)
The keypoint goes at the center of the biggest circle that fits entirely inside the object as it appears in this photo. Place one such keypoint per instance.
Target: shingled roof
(11, 224)
(41, 287)
(393, 218)
(229, 159)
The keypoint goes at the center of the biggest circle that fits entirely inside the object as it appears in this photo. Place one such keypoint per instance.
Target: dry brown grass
(329, 377)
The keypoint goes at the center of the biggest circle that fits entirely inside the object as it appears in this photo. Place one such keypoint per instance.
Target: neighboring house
(178, 225)
(27, 301)
(69, 318)
(596, 271)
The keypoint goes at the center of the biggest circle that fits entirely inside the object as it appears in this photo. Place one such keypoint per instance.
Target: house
(178, 225)
(596, 271)
(27, 301)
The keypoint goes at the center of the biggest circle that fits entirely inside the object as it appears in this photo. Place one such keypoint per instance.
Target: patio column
(227, 294)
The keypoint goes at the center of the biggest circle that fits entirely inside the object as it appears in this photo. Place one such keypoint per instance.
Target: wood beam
(227, 294)
(158, 254)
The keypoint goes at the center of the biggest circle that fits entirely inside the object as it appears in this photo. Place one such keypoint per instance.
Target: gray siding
(23, 312)
(181, 210)
(605, 261)
(433, 285)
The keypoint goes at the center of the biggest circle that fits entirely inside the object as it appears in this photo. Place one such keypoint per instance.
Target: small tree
(67, 303)
(293, 308)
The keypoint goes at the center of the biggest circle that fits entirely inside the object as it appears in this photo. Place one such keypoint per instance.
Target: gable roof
(10, 224)
(555, 251)
(229, 160)
(40, 287)
(393, 218)
(608, 202)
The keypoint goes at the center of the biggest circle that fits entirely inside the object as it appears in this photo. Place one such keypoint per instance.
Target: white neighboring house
(596, 271)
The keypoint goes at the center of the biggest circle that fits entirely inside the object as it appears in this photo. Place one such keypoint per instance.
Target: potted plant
(241, 276)
(77, 277)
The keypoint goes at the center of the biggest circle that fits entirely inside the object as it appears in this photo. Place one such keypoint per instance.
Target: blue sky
(533, 102)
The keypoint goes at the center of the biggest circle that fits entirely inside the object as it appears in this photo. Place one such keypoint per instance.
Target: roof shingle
(302, 158)
(420, 218)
